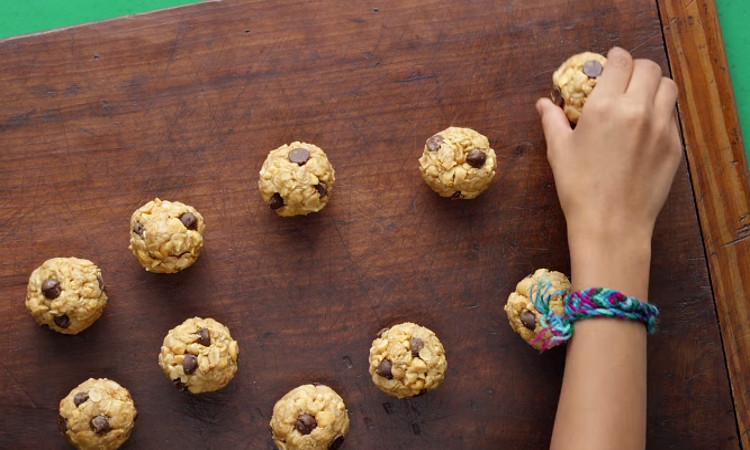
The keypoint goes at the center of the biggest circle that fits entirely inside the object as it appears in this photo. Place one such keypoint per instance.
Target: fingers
(554, 122)
(674, 145)
(675, 133)
(645, 80)
(665, 114)
(665, 97)
(616, 75)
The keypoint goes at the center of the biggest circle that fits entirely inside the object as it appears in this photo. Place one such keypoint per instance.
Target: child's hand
(614, 171)
(613, 174)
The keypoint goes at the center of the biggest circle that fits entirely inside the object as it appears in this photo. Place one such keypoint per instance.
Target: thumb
(554, 122)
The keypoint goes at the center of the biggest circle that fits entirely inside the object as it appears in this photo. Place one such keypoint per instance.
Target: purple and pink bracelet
(584, 304)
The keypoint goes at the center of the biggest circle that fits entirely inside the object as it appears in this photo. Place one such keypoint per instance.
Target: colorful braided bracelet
(584, 304)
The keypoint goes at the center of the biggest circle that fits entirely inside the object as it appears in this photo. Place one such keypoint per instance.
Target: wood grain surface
(719, 171)
(185, 104)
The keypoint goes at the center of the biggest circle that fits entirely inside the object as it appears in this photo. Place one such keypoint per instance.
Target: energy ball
(199, 355)
(458, 163)
(165, 236)
(296, 179)
(66, 295)
(99, 414)
(574, 80)
(407, 360)
(310, 417)
(523, 316)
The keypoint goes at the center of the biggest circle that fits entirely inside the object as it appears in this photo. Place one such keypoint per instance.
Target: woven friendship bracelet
(583, 304)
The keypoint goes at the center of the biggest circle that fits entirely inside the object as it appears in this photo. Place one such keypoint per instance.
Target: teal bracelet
(584, 304)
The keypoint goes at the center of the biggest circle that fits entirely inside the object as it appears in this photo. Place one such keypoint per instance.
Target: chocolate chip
(80, 398)
(102, 284)
(337, 442)
(62, 321)
(276, 202)
(456, 195)
(384, 369)
(382, 332)
(62, 424)
(138, 229)
(416, 345)
(51, 288)
(179, 384)
(305, 423)
(434, 143)
(100, 424)
(299, 155)
(189, 364)
(476, 158)
(322, 189)
(204, 337)
(528, 319)
(556, 95)
(189, 220)
(592, 68)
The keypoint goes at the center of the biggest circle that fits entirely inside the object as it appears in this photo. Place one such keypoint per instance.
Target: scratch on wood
(16, 121)
(655, 36)
(71, 32)
(742, 233)
(15, 382)
(175, 47)
(415, 78)
(90, 133)
(439, 84)
(688, 6)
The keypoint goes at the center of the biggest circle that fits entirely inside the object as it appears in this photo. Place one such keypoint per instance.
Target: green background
(734, 16)
(28, 16)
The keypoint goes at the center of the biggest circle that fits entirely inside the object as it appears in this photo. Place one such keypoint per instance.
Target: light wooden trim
(719, 171)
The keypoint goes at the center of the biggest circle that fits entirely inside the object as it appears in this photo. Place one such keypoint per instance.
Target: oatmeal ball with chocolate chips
(407, 360)
(66, 294)
(165, 236)
(296, 179)
(523, 315)
(574, 80)
(310, 417)
(99, 414)
(458, 163)
(199, 355)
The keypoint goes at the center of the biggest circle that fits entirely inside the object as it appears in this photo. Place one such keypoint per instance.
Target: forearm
(603, 398)
(613, 174)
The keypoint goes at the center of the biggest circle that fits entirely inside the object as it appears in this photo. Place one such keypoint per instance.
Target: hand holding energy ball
(613, 174)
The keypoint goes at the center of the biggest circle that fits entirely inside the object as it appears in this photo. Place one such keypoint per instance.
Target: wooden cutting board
(185, 104)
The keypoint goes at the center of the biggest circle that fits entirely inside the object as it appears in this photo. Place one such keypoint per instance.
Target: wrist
(607, 257)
